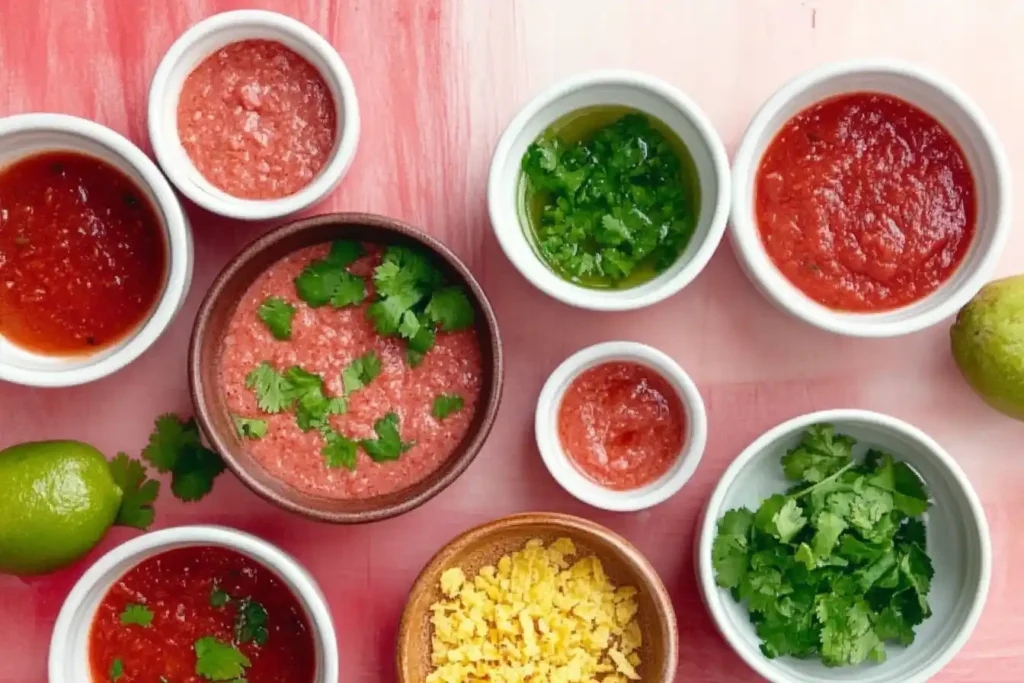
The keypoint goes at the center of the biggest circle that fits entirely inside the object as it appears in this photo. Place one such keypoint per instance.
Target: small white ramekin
(27, 134)
(69, 645)
(570, 477)
(653, 97)
(957, 538)
(198, 43)
(954, 110)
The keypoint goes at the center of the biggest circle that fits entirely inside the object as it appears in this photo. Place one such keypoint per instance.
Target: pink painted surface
(437, 81)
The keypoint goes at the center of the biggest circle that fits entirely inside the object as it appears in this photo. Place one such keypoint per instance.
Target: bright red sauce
(176, 587)
(622, 425)
(865, 202)
(82, 254)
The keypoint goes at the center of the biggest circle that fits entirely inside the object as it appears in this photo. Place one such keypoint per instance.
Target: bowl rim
(489, 402)
(759, 267)
(713, 510)
(629, 553)
(176, 232)
(507, 228)
(565, 472)
(297, 578)
(337, 77)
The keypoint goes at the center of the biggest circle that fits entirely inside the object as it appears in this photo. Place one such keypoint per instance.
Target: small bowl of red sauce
(253, 115)
(194, 603)
(621, 426)
(871, 199)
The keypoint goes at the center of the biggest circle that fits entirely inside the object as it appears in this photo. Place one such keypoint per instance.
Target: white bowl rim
(178, 243)
(595, 299)
(575, 482)
(180, 171)
(713, 511)
(251, 546)
(745, 238)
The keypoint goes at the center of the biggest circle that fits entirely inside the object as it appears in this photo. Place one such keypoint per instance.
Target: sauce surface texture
(865, 202)
(257, 120)
(176, 587)
(82, 254)
(621, 424)
(324, 341)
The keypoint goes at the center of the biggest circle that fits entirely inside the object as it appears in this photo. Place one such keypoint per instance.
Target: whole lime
(58, 500)
(988, 344)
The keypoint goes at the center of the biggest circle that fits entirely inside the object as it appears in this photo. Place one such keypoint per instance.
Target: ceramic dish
(950, 107)
(570, 477)
(958, 543)
(487, 543)
(207, 37)
(28, 134)
(217, 310)
(69, 645)
(646, 94)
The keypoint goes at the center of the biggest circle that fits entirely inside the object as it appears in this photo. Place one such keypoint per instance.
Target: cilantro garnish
(340, 451)
(175, 447)
(116, 669)
(277, 314)
(250, 428)
(219, 661)
(137, 614)
(138, 492)
(388, 445)
(446, 404)
(272, 390)
(251, 622)
(360, 372)
(450, 308)
(218, 597)
(838, 566)
(312, 406)
(326, 281)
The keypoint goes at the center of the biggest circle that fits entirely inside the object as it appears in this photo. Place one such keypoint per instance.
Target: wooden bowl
(486, 544)
(215, 314)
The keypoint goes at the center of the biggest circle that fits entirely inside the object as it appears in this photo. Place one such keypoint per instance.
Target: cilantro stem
(801, 494)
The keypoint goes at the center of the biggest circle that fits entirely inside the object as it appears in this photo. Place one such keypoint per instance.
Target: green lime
(58, 501)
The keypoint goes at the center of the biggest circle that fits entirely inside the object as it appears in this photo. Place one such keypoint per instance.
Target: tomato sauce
(622, 425)
(82, 254)
(176, 587)
(865, 202)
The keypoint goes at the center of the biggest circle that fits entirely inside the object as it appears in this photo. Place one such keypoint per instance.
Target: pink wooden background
(437, 80)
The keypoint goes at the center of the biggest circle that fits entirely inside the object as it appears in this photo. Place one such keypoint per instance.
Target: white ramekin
(69, 645)
(622, 88)
(952, 108)
(27, 134)
(958, 543)
(198, 43)
(567, 474)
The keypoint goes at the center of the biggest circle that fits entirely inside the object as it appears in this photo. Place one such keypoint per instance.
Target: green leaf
(731, 547)
(360, 372)
(170, 437)
(277, 314)
(828, 527)
(138, 493)
(847, 635)
(116, 669)
(318, 282)
(251, 623)
(821, 454)
(446, 404)
(139, 615)
(218, 597)
(194, 473)
(350, 291)
(451, 309)
(340, 451)
(219, 661)
(273, 391)
(250, 428)
(910, 495)
(344, 253)
(386, 314)
(781, 517)
(175, 446)
(388, 445)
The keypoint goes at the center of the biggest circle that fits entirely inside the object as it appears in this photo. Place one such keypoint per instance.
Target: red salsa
(149, 623)
(622, 425)
(82, 254)
(865, 202)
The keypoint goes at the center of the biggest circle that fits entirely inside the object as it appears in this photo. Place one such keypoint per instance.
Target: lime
(58, 501)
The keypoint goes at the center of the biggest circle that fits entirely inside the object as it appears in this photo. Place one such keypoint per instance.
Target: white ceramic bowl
(69, 645)
(27, 134)
(958, 543)
(958, 114)
(569, 476)
(659, 100)
(198, 43)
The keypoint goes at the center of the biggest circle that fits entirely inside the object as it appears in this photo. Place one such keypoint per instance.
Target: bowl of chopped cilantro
(845, 545)
(609, 191)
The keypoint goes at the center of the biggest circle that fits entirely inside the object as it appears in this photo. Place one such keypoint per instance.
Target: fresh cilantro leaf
(194, 474)
(731, 547)
(821, 453)
(138, 492)
(137, 614)
(273, 392)
(827, 529)
(386, 314)
(219, 661)
(318, 282)
(350, 291)
(175, 447)
(116, 669)
(312, 407)
(910, 495)
(344, 253)
(912, 532)
(847, 635)
(415, 267)
(446, 404)
(391, 280)
(360, 372)
(170, 437)
(340, 451)
(250, 428)
(277, 314)
(780, 517)
(450, 308)
(218, 597)
(388, 445)
(251, 623)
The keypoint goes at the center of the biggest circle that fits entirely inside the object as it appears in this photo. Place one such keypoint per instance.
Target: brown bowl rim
(441, 559)
(203, 409)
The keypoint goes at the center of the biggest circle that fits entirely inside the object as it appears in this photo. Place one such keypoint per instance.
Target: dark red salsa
(82, 254)
(865, 202)
(150, 622)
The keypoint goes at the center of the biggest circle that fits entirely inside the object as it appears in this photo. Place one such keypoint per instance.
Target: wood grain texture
(437, 80)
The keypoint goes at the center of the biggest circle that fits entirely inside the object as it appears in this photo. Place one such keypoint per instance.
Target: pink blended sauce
(325, 340)
(257, 120)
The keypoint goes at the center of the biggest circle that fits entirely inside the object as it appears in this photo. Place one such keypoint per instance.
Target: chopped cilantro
(450, 308)
(360, 372)
(277, 314)
(250, 428)
(351, 291)
(312, 406)
(175, 447)
(137, 614)
(388, 445)
(219, 661)
(326, 281)
(137, 492)
(272, 390)
(345, 252)
(218, 597)
(251, 622)
(116, 669)
(340, 451)
(446, 404)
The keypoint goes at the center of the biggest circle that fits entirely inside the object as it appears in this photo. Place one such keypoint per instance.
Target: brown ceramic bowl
(218, 307)
(486, 544)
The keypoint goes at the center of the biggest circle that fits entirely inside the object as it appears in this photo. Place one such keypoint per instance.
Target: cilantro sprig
(219, 661)
(326, 281)
(277, 314)
(175, 447)
(139, 615)
(388, 445)
(447, 404)
(838, 566)
(138, 492)
(360, 372)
